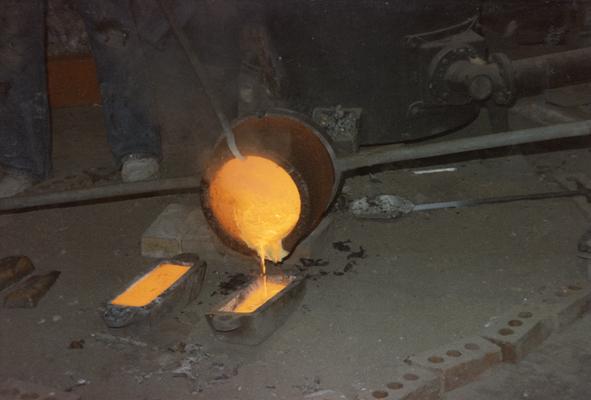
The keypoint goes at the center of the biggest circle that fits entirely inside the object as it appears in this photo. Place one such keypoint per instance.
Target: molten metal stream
(256, 200)
(262, 290)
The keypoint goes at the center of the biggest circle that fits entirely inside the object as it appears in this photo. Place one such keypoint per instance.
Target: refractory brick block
(519, 331)
(567, 303)
(407, 383)
(180, 229)
(459, 363)
(14, 389)
(163, 238)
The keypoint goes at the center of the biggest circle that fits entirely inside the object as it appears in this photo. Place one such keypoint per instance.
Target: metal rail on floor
(365, 158)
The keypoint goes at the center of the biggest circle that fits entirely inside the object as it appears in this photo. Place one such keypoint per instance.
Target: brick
(198, 238)
(567, 303)
(519, 331)
(14, 389)
(163, 238)
(181, 229)
(407, 383)
(459, 363)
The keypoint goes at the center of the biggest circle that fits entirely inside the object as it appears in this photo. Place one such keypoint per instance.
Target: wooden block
(28, 294)
(13, 269)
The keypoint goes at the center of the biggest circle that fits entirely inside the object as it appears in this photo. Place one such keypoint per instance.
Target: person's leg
(25, 138)
(118, 51)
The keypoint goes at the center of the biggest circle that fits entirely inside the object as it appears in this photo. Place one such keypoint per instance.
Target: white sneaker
(138, 168)
(13, 182)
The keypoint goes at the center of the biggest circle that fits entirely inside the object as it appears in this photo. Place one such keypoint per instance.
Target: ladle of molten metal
(258, 202)
(266, 203)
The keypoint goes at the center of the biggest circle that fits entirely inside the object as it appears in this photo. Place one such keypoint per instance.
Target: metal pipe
(535, 74)
(121, 190)
(395, 153)
(365, 158)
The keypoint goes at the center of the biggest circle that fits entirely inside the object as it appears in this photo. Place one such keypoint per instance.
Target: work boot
(139, 167)
(13, 182)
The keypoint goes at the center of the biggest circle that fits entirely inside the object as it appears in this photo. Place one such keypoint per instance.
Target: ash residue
(357, 254)
(343, 246)
(313, 262)
(232, 283)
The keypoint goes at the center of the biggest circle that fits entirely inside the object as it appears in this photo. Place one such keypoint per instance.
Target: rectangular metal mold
(168, 303)
(253, 328)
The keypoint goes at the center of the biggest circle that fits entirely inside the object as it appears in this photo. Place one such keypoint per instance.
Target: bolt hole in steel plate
(379, 394)
(515, 322)
(436, 359)
(454, 353)
(506, 332)
(471, 346)
(395, 385)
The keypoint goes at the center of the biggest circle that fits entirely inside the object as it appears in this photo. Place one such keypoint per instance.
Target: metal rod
(100, 193)
(203, 77)
(395, 153)
(498, 200)
(365, 158)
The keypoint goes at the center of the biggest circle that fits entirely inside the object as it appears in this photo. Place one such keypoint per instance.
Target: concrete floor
(428, 278)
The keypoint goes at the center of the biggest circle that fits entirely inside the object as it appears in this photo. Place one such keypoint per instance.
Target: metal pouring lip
(236, 243)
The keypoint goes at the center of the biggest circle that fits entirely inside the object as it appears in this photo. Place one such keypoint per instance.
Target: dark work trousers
(25, 138)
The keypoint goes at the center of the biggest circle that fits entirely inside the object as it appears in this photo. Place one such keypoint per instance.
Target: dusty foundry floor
(428, 278)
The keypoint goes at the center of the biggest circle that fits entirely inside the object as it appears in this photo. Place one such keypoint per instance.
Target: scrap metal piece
(184, 290)
(31, 291)
(386, 206)
(383, 206)
(13, 269)
(252, 328)
(342, 126)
